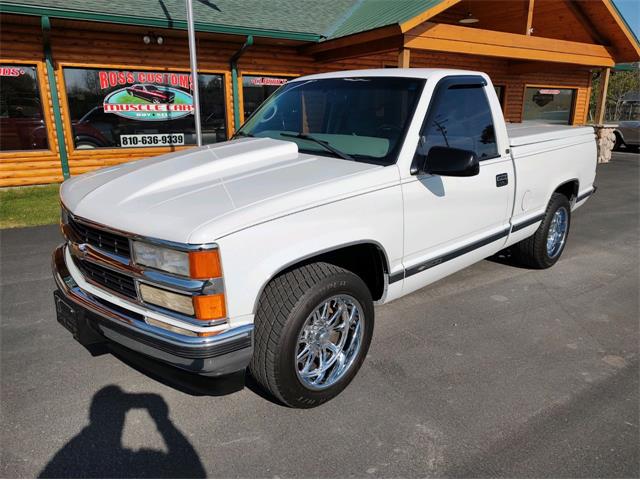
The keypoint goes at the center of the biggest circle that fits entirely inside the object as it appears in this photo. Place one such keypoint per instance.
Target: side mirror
(451, 162)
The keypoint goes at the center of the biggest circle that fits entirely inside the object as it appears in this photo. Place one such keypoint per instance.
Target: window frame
(47, 113)
(574, 102)
(73, 152)
(474, 81)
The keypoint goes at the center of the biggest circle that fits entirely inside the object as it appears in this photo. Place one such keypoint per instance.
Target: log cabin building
(86, 84)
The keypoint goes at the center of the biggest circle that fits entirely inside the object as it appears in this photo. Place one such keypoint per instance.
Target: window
(460, 117)
(22, 125)
(549, 105)
(362, 117)
(116, 108)
(256, 90)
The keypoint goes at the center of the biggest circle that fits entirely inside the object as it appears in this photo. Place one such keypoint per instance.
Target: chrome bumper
(222, 354)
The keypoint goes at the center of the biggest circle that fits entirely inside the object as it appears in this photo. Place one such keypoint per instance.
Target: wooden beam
(404, 58)
(602, 95)
(362, 49)
(529, 28)
(475, 41)
(427, 14)
(521, 67)
(586, 22)
(351, 40)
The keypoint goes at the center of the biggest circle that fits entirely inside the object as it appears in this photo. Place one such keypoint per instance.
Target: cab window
(460, 117)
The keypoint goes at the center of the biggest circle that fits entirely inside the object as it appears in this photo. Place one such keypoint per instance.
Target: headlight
(200, 265)
(161, 258)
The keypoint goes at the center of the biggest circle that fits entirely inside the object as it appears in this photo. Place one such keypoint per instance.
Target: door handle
(502, 179)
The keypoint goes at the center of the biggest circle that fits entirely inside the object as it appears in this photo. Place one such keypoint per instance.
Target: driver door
(452, 222)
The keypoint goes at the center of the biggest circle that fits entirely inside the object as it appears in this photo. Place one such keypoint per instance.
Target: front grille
(110, 242)
(114, 281)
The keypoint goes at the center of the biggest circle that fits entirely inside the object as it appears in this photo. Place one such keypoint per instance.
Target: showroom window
(22, 125)
(549, 105)
(123, 108)
(256, 89)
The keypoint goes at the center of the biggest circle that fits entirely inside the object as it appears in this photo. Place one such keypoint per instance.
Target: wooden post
(530, 18)
(404, 58)
(601, 106)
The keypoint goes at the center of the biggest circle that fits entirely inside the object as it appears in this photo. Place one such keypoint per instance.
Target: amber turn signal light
(203, 265)
(209, 307)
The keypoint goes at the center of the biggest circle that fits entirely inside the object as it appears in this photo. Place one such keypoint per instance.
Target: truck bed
(530, 132)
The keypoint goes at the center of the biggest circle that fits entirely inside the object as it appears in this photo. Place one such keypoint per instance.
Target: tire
(86, 145)
(285, 310)
(618, 143)
(533, 252)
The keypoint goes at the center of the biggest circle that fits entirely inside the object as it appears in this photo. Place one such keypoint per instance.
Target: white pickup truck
(342, 190)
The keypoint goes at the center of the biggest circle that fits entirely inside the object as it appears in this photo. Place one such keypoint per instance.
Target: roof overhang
(418, 33)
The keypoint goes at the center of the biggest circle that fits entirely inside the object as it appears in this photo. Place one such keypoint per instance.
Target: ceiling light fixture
(469, 19)
(151, 37)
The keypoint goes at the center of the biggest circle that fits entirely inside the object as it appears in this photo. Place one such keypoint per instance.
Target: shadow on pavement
(97, 450)
(186, 382)
(190, 383)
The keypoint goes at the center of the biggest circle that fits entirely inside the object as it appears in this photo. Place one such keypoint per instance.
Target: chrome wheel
(557, 232)
(329, 342)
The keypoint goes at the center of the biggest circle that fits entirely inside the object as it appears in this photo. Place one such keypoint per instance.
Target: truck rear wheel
(543, 248)
(313, 329)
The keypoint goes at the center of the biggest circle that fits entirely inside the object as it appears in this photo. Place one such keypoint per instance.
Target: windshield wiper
(323, 143)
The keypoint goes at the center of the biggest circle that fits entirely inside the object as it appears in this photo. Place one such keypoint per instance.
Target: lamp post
(194, 72)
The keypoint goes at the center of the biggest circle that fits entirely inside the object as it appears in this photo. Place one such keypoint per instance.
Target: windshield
(356, 118)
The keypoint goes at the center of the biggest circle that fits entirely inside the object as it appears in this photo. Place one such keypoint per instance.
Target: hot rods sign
(147, 96)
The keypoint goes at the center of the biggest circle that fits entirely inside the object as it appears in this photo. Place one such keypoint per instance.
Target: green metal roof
(304, 20)
(369, 14)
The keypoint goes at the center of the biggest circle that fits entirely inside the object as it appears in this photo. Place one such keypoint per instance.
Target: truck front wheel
(543, 248)
(313, 329)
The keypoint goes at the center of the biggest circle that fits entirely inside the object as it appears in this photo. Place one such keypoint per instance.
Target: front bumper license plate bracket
(73, 318)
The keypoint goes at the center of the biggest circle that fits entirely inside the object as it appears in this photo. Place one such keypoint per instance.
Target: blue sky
(630, 10)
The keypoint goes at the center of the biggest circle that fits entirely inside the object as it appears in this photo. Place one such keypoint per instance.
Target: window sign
(136, 109)
(549, 105)
(22, 124)
(256, 89)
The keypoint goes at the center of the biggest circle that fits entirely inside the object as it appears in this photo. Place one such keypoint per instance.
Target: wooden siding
(86, 45)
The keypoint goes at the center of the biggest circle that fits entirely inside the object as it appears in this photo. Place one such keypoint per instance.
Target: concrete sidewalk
(495, 371)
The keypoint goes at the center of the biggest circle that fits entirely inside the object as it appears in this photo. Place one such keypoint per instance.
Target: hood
(202, 194)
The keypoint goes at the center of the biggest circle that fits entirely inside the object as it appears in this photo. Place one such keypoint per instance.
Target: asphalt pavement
(494, 371)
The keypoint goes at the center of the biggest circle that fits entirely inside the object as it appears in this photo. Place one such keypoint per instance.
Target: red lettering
(11, 71)
(104, 81)
(184, 81)
(113, 78)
